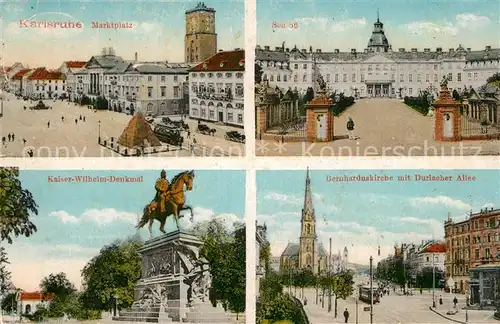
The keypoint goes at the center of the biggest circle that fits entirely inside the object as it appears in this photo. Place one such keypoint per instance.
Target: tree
(225, 251)
(16, 204)
(456, 95)
(309, 95)
(9, 303)
(494, 78)
(425, 277)
(57, 284)
(258, 73)
(113, 272)
(265, 255)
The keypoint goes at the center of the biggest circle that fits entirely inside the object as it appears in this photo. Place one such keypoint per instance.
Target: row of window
(477, 224)
(130, 78)
(210, 75)
(285, 78)
(50, 81)
(50, 88)
(219, 105)
(376, 67)
(203, 114)
(163, 92)
(218, 88)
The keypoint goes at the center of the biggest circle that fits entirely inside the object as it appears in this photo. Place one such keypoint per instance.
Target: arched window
(229, 106)
(220, 105)
(308, 259)
(308, 228)
(210, 103)
(149, 107)
(28, 309)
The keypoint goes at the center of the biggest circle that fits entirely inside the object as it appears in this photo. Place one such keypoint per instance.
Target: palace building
(378, 70)
(308, 253)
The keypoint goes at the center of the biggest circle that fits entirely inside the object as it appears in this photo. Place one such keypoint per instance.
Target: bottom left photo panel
(115, 246)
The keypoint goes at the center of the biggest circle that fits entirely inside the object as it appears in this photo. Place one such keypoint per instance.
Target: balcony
(80, 81)
(113, 96)
(131, 98)
(114, 82)
(214, 96)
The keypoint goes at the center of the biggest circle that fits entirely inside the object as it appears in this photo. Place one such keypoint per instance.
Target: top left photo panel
(121, 78)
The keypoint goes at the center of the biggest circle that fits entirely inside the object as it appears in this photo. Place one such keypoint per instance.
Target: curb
(446, 317)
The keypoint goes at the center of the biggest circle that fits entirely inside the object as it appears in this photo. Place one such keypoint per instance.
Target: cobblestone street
(384, 127)
(79, 139)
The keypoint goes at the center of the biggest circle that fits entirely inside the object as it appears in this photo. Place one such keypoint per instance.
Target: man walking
(350, 129)
(455, 302)
(346, 315)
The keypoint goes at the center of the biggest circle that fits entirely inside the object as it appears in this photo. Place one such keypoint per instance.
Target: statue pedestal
(319, 119)
(165, 263)
(204, 312)
(447, 122)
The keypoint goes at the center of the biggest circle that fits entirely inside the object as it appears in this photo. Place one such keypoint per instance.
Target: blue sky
(76, 220)
(408, 24)
(159, 34)
(363, 216)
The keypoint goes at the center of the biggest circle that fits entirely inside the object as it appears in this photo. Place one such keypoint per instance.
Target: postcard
(378, 246)
(123, 246)
(387, 78)
(121, 78)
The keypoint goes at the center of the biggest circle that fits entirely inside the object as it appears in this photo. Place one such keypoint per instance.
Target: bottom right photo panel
(378, 246)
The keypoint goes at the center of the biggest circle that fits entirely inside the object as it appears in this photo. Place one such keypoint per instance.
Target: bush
(342, 104)
(282, 307)
(420, 103)
(84, 101)
(100, 103)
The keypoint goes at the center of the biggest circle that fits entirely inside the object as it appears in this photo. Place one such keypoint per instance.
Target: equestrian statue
(169, 200)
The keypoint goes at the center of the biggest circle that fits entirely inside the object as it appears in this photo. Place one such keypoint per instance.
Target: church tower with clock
(200, 42)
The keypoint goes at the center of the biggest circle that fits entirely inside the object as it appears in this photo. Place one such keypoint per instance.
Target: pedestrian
(420, 291)
(9, 137)
(3, 140)
(189, 134)
(48, 124)
(455, 302)
(83, 118)
(24, 141)
(80, 117)
(76, 121)
(440, 300)
(62, 119)
(346, 315)
(13, 137)
(350, 129)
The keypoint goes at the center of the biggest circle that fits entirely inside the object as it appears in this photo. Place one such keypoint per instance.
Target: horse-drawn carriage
(235, 136)
(204, 129)
(180, 124)
(169, 135)
(39, 106)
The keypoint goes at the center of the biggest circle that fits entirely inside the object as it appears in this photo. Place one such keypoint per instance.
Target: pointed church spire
(308, 207)
(378, 20)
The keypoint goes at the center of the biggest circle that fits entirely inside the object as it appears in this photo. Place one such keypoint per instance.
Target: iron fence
(473, 129)
(289, 130)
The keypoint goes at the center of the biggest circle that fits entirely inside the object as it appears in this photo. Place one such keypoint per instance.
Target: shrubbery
(342, 104)
(420, 103)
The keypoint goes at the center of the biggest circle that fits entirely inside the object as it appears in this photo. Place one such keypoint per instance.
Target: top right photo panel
(361, 78)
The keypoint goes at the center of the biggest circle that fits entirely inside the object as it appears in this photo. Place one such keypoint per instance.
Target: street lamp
(99, 138)
(330, 278)
(371, 289)
(433, 281)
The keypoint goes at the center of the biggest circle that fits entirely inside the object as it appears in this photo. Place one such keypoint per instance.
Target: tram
(364, 294)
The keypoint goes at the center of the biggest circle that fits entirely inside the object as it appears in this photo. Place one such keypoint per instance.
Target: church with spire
(309, 253)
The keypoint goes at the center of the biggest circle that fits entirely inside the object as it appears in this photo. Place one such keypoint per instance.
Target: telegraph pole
(371, 289)
(330, 278)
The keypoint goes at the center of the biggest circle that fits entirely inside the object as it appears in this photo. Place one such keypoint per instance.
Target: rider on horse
(162, 187)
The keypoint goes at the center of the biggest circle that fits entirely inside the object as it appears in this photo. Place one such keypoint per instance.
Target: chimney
(266, 48)
(451, 50)
(401, 50)
(287, 50)
(318, 50)
(427, 50)
(135, 57)
(277, 48)
(303, 50)
(353, 51)
(468, 50)
(414, 50)
(336, 51)
(366, 50)
(439, 50)
(488, 48)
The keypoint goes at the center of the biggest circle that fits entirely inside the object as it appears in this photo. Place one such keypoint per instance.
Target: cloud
(283, 198)
(100, 217)
(201, 215)
(440, 200)
(465, 21)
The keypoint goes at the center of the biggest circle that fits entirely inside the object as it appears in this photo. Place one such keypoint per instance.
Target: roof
(75, 64)
(138, 133)
(19, 75)
(36, 296)
(107, 61)
(200, 7)
(159, 68)
(436, 248)
(292, 249)
(223, 61)
(43, 74)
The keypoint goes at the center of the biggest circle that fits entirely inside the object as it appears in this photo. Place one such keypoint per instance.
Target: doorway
(221, 116)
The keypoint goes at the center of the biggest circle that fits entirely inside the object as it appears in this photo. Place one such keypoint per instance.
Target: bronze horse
(174, 203)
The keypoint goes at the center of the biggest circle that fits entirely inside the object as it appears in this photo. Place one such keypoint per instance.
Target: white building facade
(378, 71)
(216, 88)
(41, 83)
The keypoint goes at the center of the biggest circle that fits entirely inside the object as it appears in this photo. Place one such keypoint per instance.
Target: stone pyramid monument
(138, 133)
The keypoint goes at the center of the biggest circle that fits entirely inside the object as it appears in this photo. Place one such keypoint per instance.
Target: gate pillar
(447, 122)
(320, 118)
